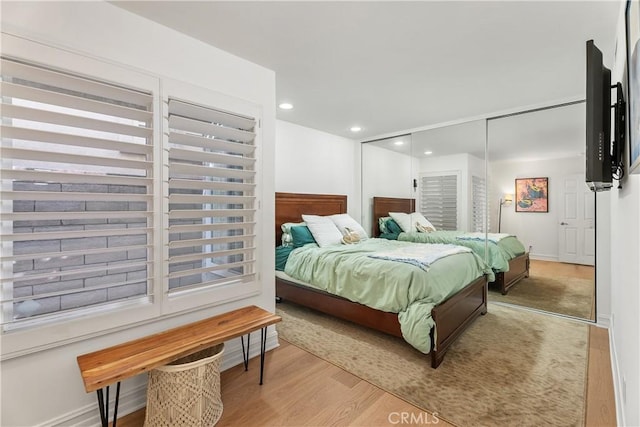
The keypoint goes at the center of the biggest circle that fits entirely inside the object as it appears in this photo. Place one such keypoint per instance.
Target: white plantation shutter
(439, 200)
(211, 194)
(479, 203)
(77, 189)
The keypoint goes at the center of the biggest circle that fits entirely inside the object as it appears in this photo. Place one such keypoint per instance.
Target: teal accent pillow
(301, 235)
(393, 227)
(286, 232)
(382, 223)
(282, 254)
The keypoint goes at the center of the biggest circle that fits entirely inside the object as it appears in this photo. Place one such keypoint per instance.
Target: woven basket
(187, 391)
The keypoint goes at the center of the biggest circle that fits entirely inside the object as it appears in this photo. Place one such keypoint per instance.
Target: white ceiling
(394, 66)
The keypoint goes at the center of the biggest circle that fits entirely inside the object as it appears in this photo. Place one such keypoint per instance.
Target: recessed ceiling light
(355, 129)
(398, 143)
(286, 106)
(428, 152)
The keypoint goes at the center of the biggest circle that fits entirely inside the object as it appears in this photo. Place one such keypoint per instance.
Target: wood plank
(601, 406)
(107, 366)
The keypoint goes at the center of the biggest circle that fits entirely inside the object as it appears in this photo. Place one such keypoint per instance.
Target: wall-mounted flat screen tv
(603, 156)
(598, 100)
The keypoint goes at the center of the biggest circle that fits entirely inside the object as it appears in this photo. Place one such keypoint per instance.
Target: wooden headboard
(291, 206)
(383, 205)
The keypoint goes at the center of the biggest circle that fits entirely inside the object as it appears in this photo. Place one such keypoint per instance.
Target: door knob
(564, 223)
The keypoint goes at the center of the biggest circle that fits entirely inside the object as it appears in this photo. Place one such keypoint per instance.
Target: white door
(577, 222)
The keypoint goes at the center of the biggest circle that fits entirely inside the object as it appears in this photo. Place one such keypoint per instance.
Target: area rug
(570, 296)
(510, 368)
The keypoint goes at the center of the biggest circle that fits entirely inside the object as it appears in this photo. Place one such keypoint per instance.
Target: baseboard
(130, 400)
(134, 399)
(542, 257)
(617, 381)
(604, 321)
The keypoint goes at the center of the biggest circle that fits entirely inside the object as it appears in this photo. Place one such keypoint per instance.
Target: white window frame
(159, 305)
(182, 300)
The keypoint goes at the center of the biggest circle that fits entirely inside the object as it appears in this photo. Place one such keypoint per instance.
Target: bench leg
(245, 355)
(263, 348)
(103, 406)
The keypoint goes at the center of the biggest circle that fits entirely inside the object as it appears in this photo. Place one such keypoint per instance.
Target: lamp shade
(508, 198)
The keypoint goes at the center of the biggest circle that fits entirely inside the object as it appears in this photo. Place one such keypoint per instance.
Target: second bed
(506, 255)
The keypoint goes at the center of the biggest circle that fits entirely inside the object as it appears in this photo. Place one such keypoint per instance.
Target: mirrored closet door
(442, 169)
(537, 192)
(451, 176)
(388, 169)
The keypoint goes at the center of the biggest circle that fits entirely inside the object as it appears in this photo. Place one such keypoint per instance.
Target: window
(77, 190)
(439, 200)
(211, 215)
(120, 202)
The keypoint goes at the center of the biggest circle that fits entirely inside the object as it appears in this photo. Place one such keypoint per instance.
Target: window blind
(211, 194)
(76, 192)
(439, 200)
(479, 203)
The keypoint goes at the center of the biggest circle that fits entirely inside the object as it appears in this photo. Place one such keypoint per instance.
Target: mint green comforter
(348, 271)
(498, 256)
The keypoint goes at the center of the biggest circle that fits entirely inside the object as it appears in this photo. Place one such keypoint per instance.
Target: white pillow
(343, 221)
(323, 230)
(408, 221)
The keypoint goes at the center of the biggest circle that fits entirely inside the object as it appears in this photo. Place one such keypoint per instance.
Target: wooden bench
(111, 365)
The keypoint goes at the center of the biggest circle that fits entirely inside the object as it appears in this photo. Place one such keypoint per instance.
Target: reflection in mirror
(451, 175)
(387, 171)
(443, 169)
(556, 223)
(453, 194)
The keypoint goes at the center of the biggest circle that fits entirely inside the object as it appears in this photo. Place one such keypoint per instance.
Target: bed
(509, 269)
(450, 317)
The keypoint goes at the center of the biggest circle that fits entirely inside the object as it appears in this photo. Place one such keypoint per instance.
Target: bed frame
(451, 317)
(518, 266)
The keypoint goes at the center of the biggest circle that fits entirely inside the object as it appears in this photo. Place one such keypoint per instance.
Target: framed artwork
(632, 26)
(532, 194)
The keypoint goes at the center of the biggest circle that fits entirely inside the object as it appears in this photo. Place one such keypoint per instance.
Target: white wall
(538, 230)
(625, 297)
(45, 388)
(624, 330)
(312, 161)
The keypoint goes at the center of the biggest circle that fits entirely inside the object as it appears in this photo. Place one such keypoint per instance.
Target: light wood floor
(303, 390)
(562, 269)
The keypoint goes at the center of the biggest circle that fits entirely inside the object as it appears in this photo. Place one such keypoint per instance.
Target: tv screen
(598, 108)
